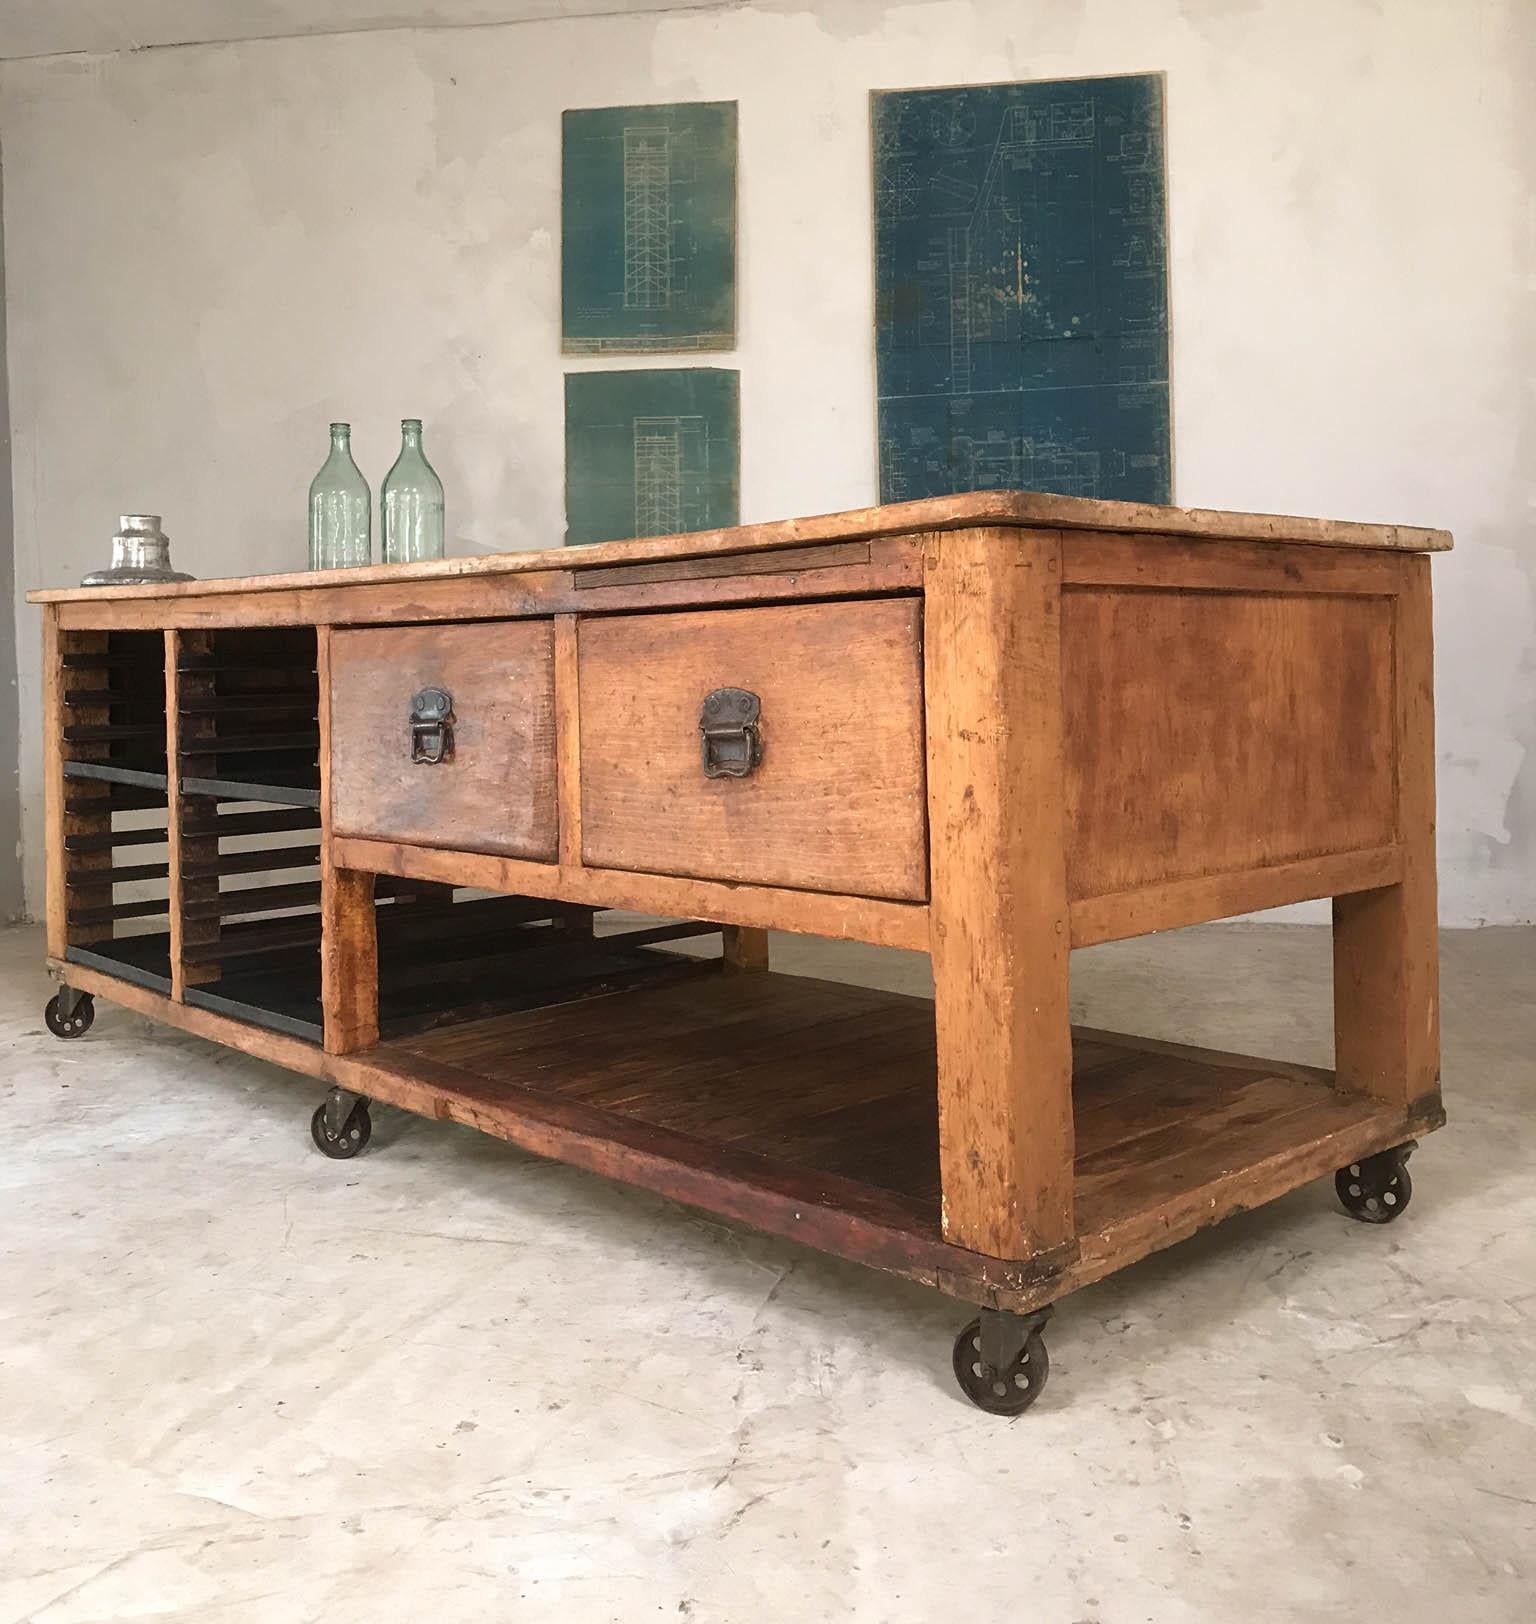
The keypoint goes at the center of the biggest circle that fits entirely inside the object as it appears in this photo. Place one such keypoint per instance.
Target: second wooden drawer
(836, 802)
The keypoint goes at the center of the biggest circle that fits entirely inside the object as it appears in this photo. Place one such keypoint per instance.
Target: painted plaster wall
(214, 250)
(11, 891)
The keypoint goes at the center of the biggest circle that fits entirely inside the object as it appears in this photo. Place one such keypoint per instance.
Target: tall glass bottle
(340, 509)
(411, 502)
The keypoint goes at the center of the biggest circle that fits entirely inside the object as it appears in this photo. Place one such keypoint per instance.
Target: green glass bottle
(340, 509)
(411, 502)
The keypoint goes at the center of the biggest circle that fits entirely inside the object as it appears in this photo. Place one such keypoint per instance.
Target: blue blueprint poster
(648, 228)
(1021, 289)
(650, 453)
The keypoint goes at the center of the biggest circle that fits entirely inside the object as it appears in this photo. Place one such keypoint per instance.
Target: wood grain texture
(745, 949)
(1000, 935)
(1152, 560)
(349, 942)
(854, 919)
(837, 803)
(568, 739)
(894, 566)
(55, 827)
(1208, 733)
(796, 559)
(1386, 981)
(496, 792)
(1028, 509)
(1120, 914)
(192, 820)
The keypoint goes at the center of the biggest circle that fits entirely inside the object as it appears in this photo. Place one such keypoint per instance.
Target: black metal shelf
(302, 789)
(144, 960)
(106, 772)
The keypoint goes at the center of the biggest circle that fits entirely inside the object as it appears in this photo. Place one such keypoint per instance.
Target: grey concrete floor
(239, 1382)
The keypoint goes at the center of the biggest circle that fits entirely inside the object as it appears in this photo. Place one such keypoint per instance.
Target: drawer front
(836, 802)
(494, 789)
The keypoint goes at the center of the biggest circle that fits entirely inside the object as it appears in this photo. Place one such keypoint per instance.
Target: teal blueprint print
(1021, 289)
(650, 453)
(648, 228)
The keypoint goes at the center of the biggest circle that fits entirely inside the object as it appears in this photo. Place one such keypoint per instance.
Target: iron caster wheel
(1377, 1188)
(75, 1024)
(1007, 1391)
(355, 1133)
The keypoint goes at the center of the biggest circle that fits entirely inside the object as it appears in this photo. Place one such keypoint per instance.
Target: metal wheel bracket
(339, 1106)
(70, 999)
(1004, 1333)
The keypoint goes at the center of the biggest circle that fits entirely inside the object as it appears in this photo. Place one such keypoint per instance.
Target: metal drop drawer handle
(431, 726)
(728, 731)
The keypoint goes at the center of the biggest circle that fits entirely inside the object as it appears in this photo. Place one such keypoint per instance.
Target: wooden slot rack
(992, 728)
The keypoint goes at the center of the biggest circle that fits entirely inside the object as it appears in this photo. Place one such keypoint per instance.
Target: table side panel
(1223, 732)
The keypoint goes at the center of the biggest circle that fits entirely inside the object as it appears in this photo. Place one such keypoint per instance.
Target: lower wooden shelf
(808, 1109)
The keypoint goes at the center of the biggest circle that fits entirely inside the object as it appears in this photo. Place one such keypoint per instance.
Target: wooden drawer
(837, 800)
(495, 790)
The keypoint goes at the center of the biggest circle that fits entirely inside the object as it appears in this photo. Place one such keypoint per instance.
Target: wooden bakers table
(992, 728)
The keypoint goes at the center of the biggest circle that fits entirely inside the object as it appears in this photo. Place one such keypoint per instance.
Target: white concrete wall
(214, 250)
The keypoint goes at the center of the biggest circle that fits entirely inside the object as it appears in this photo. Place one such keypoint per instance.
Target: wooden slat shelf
(92, 698)
(808, 1108)
(232, 744)
(254, 939)
(122, 798)
(113, 838)
(113, 733)
(257, 700)
(146, 909)
(120, 874)
(274, 671)
(273, 859)
(253, 900)
(134, 661)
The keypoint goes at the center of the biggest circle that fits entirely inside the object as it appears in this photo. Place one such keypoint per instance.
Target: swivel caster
(341, 1127)
(69, 1013)
(1000, 1360)
(1377, 1188)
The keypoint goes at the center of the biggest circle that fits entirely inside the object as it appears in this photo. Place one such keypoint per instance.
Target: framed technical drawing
(1021, 289)
(650, 453)
(648, 232)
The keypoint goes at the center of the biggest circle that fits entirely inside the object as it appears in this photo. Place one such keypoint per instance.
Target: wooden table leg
(349, 944)
(1000, 937)
(744, 948)
(1386, 973)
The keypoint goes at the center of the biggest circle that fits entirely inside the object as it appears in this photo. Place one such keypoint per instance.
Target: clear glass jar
(411, 502)
(340, 509)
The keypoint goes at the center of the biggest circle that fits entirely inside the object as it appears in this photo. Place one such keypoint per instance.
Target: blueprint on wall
(648, 228)
(1021, 310)
(650, 453)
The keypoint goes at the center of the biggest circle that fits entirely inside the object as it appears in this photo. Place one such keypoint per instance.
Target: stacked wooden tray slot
(115, 861)
(246, 715)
